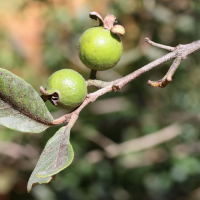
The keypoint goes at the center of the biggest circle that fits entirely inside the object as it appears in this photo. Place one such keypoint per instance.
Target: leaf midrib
(12, 106)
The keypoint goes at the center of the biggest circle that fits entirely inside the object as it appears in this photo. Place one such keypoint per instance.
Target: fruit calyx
(53, 97)
(108, 23)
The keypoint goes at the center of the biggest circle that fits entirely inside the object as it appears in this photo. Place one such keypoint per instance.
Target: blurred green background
(141, 143)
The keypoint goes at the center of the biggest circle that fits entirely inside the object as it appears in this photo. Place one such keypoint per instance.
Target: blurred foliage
(40, 37)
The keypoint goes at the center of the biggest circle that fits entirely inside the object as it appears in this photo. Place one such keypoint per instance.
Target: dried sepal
(43, 91)
(95, 15)
(118, 29)
(52, 97)
(109, 21)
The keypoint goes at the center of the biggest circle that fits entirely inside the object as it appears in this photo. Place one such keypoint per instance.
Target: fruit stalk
(93, 74)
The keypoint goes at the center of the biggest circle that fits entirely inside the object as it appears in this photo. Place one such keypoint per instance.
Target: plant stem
(93, 74)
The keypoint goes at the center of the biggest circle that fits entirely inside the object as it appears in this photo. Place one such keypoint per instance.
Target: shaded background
(141, 143)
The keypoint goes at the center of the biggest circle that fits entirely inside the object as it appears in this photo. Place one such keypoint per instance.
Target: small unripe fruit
(66, 89)
(100, 48)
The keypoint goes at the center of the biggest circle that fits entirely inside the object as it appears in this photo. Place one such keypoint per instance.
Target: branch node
(168, 77)
(184, 57)
(115, 88)
(155, 83)
(92, 97)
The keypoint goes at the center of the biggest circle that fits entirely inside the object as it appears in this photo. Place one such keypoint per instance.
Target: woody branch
(177, 53)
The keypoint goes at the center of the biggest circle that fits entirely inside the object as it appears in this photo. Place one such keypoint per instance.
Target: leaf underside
(56, 156)
(21, 107)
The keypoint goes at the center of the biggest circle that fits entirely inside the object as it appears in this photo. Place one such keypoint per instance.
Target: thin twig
(120, 83)
(97, 83)
(168, 77)
(159, 45)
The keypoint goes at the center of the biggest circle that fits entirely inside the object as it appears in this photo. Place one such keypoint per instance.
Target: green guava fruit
(99, 49)
(66, 89)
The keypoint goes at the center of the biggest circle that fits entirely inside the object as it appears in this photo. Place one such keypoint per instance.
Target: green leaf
(21, 107)
(56, 156)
